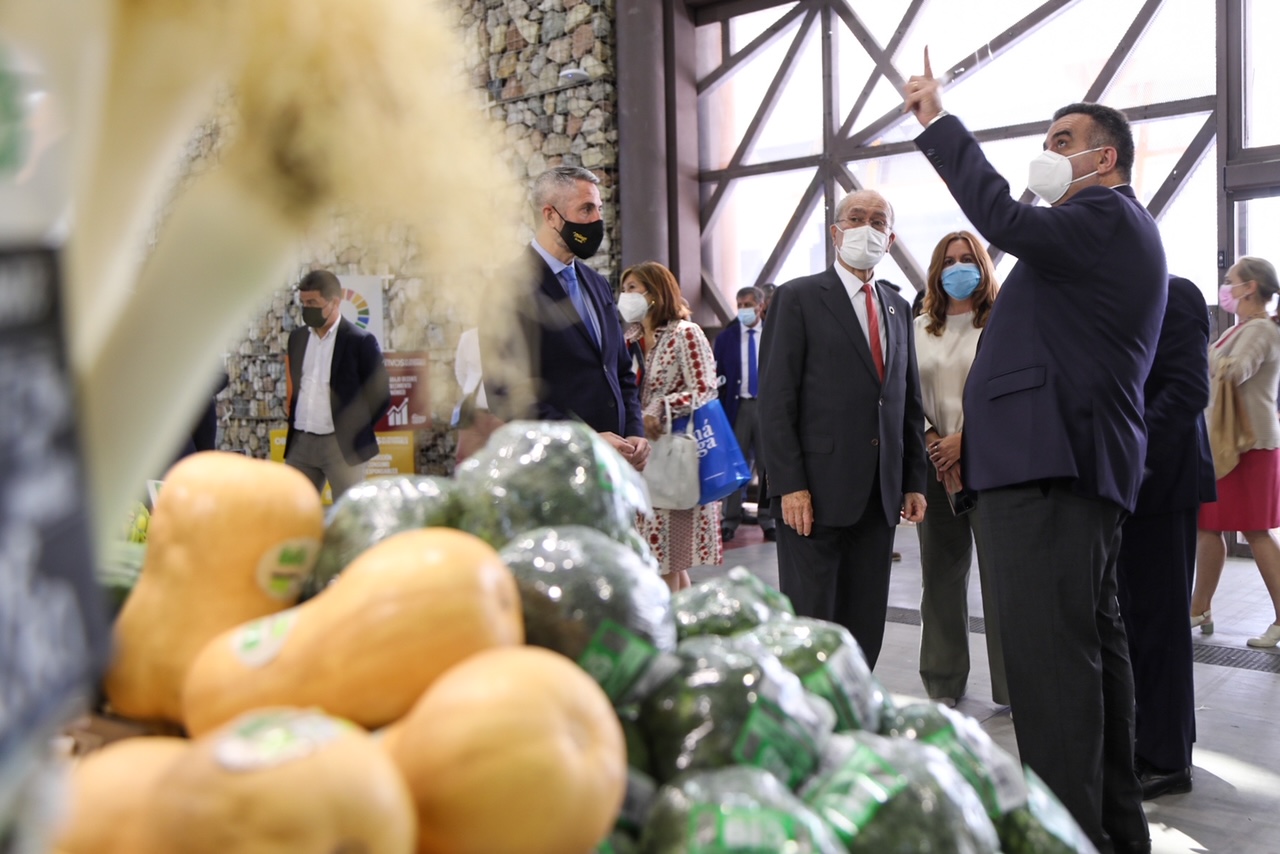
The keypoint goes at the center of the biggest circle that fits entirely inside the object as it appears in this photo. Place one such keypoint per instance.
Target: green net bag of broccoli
(729, 702)
(594, 600)
(829, 663)
(994, 774)
(617, 843)
(726, 605)
(372, 511)
(893, 794)
(735, 810)
(532, 474)
(1042, 825)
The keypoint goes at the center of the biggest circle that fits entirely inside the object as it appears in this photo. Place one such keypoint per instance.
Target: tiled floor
(1235, 806)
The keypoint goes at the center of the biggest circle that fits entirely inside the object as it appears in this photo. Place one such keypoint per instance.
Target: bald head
(864, 205)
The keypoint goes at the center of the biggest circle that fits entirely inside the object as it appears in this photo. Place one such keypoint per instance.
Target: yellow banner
(396, 455)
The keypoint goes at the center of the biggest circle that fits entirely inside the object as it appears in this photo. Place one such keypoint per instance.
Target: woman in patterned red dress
(677, 356)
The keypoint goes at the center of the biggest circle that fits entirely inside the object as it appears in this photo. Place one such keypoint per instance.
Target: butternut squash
(110, 794)
(515, 751)
(231, 539)
(402, 613)
(281, 781)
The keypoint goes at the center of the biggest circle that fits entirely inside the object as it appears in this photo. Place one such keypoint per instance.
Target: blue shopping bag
(722, 468)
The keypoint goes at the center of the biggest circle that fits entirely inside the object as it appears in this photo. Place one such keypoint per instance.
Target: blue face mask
(747, 316)
(961, 280)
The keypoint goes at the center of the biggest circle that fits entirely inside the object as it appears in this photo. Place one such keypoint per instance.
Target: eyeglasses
(879, 223)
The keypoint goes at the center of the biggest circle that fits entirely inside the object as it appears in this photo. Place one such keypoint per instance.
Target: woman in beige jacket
(1248, 357)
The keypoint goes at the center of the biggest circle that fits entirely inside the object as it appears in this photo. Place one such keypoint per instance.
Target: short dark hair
(324, 282)
(751, 291)
(1110, 127)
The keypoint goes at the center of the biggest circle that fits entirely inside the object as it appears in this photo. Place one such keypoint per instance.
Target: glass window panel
(744, 28)
(1262, 73)
(855, 66)
(1157, 146)
(725, 112)
(885, 98)
(1188, 229)
(1053, 66)
(757, 209)
(952, 34)
(880, 19)
(1174, 58)
(794, 126)
(809, 253)
(1259, 224)
(708, 47)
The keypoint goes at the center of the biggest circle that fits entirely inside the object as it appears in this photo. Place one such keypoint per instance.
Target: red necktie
(873, 331)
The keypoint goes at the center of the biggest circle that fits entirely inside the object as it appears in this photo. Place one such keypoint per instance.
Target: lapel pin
(891, 309)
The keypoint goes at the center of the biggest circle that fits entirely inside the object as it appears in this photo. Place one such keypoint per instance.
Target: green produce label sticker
(854, 793)
(773, 741)
(285, 566)
(740, 830)
(258, 643)
(267, 739)
(615, 657)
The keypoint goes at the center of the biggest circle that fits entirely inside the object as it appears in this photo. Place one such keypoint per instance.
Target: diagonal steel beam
(1186, 164)
(731, 63)
(767, 103)
(899, 251)
(1124, 47)
(798, 218)
(908, 19)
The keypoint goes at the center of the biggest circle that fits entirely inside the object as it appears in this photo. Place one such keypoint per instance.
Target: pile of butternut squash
(396, 712)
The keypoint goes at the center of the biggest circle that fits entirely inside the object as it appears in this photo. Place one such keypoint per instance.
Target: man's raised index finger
(928, 72)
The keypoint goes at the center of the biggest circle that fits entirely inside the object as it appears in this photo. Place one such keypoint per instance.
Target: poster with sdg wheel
(53, 629)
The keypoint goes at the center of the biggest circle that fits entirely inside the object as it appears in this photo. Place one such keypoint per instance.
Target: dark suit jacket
(359, 391)
(1056, 388)
(826, 421)
(573, 378)
(728, 352)
(1179, 468)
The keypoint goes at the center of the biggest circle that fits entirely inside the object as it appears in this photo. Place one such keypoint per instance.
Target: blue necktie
(579, 301)
(753, 378)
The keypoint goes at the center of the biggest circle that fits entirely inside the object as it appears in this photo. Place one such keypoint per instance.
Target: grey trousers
(746, 429)
(320, 459)
(1053, 555)
(946, 555)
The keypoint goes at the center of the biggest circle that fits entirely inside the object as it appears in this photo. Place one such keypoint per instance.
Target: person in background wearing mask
(632, 308)
(959, 293)
(338, 389)
(580, 365)
(1054, 438)
(737, 352)
(842, 427)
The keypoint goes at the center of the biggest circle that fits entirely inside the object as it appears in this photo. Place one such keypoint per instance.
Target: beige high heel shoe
(1204, 621)
(1268, 639)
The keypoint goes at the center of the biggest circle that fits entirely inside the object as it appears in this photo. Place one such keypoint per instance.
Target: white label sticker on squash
(266, 739)
(285, 566)
(259, 642)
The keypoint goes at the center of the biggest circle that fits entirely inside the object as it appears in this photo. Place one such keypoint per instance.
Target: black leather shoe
(1156, 782)
(1132, 846)
(726, 534)
(771, 534)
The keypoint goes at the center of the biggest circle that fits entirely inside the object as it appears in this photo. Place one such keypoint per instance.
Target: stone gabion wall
(518, 49)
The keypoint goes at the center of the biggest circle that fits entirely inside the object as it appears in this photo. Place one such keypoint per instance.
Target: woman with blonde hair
(1247, 357)
(680, 372)
(959, 294)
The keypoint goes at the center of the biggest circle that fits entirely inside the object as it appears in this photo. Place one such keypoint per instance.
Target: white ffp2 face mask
(1050, 174)
(632, 307)
(863, 247)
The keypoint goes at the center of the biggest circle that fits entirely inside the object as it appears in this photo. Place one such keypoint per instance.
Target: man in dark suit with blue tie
(1158, 548)
(843, 426)
(1054, 439)
(570, 336)
(737, 352)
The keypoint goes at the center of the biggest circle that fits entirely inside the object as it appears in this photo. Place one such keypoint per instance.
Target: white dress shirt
(853, 286)
(315, 412)
(744, 382)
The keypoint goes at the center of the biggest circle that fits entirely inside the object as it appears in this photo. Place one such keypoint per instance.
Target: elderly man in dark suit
(843, 426)
(1158, 548)
(1054, 439)
(570, 336)
(338, 389)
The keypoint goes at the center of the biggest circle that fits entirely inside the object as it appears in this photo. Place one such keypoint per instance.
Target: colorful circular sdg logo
(354, 304)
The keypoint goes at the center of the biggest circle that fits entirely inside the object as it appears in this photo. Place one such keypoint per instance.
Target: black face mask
(313, 317)
(582, 238)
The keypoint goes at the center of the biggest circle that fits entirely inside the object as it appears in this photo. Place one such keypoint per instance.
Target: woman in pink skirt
(1248, 356)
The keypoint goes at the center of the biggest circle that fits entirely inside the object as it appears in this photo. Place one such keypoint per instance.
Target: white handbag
(672, 470)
